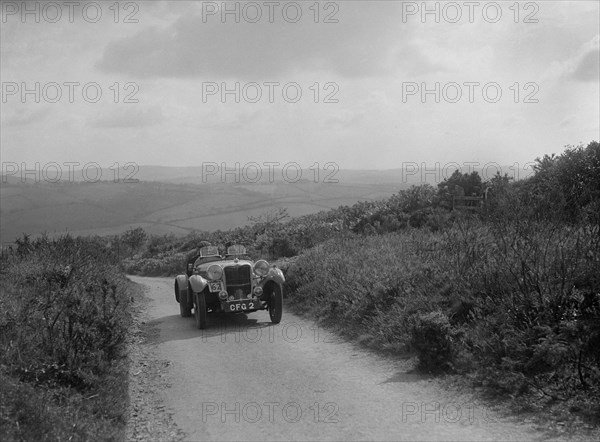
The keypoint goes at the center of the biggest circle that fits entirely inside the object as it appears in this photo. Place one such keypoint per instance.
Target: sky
(362, 84)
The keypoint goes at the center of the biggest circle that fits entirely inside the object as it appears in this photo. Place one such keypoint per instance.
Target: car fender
(275, 275)
(181, 287)
(197, 283)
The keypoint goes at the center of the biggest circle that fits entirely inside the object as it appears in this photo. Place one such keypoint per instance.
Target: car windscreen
(209, 251)
(236, 250)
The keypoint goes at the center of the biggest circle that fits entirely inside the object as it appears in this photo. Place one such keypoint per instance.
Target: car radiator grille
(236, 278)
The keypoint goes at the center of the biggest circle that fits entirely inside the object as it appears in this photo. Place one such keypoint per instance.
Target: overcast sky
(364, 62)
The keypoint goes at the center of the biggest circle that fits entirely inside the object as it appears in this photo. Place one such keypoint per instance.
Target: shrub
(64, 313)
(162, 265)
(518, 302)
(433, 339)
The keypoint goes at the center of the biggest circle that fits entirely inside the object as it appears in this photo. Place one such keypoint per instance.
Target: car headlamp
(261, 267)
(214, 272)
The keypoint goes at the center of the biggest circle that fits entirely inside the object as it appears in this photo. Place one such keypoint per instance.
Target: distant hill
(160, 207)
(182, 199)
(215, 175)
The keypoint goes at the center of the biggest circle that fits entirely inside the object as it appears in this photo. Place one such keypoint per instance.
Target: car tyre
(185, 307)
(276, 304)
(200, 310)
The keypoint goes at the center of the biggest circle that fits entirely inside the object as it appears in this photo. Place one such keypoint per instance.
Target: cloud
(228, 119)
(584, 65)
(359, 45)
(129, 116)
(568, 121)
(511, 121)
(414, 59)
(24, 117)
(588, 67)
(344, 119)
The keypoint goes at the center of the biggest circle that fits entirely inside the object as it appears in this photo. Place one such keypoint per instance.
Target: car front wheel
(275, 304)
(200, 310)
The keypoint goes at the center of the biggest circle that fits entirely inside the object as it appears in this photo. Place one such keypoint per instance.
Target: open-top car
(228, 284)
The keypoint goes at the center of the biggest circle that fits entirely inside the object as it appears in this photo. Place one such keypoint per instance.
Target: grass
(64, 320)
(42, 413)
(514, 306)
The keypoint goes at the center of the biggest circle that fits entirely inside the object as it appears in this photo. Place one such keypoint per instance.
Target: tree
(268, 229)
(567, 186)
(134, 238)
(470, 183)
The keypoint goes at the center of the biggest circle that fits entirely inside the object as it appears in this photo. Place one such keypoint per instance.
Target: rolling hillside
(181, 199)
(83, 208)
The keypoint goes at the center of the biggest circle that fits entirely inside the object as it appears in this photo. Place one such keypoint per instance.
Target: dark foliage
(63, 321)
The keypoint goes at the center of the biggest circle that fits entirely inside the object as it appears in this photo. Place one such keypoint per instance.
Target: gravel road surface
(244, 378)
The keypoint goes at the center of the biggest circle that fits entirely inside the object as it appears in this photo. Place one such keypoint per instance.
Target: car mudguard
(275, 275)
(197, 283)
(181, 287)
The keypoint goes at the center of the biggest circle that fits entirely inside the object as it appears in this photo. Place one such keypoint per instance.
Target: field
(181, 200)
(104, 208)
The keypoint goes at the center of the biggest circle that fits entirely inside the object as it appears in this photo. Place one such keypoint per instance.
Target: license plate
(241, 306)
(214, 286)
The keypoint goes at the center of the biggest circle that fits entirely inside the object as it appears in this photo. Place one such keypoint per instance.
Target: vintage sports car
(230, 284)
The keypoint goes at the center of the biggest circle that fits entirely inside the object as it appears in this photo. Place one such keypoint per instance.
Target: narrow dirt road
(246, 379)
